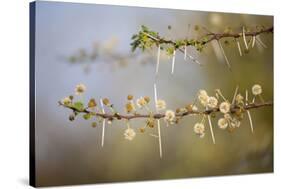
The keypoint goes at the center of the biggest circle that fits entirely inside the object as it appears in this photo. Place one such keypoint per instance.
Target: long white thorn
(103, 124)
(159, 138)
(244, 38)
(158, 122)
(158, 59)
(211, 129)
(173, 61)
(251, 122)
(225, 57)
(239, 47)
(235, 93)
(249, 114)
(155, 94)
(254, 41)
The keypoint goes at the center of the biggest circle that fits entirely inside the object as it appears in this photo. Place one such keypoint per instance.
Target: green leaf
(87, 116)
(78, 106)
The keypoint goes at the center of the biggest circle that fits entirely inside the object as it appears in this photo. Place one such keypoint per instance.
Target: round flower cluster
(228, 121)
(66, 100)
(170, 116)
(80, 89)
(199, 129)
(239, 99)
(160, 104)
(129, 134)
(142, 101)
(224, 107)
(256, 89)
(207, 101)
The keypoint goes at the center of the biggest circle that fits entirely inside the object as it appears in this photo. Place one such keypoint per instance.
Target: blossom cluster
(230, 119)
(232, 111)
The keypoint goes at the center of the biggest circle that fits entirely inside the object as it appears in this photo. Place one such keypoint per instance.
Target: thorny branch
(159, 115)
(198, 43)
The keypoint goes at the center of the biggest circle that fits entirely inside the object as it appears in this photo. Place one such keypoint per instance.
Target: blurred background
(70, 152)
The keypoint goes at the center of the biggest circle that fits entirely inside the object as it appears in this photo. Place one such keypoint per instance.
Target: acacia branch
(218, 36)
(233, 109)
(140, 42)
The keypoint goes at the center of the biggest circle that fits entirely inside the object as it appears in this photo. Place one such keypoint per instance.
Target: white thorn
(173, 62)
(254, 98)
(244, 38)
(254, 41)
(103, 124)
(158, 59)
(250, 119)
(225, 57)
(159, 138)
(155, 95)
(211, 129)
(248, 113)
(239, 47)
(158, 122)
(235, 93)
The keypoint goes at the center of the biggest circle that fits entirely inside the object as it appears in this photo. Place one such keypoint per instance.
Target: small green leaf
(78, 106)
(87, 116)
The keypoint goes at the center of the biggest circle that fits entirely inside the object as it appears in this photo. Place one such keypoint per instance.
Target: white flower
(235, 123)
(222, 123)
(203, 97)
(199, 129)
(212, 102)
(170, 116)
(80, 89)
(239, 99)
(66, 101)
(129, 134)
(256, 89)
(224, 107)
(141, 102)
(160, 104)
(194, 108)
(203, 92)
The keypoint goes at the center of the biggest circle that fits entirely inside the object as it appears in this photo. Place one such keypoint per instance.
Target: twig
(160, 115)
